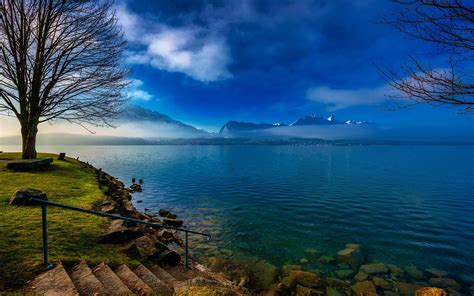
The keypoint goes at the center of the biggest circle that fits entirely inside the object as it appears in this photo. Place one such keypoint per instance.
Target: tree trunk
(28, 135)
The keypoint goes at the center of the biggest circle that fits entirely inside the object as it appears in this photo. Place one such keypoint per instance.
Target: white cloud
(135, 92)
(194, 51)
(337, 99)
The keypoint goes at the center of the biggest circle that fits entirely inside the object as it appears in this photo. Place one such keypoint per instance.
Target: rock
(118, 233)
(305, 291)
(311, 253)
(344, 273)
(264, 274)
(325, 259)
(414, 272)
(173, 222)
(167, 257)
(22, 197)
(380, 282)
(395, 270)
(330, 291)
(374, 268)
(289, 267)
(406, 289)
(163, 212)
(62, 156)
(304, 278)
(361, 276)
(304, 260)
(29, 164)
(430, 291)
(353, 246)
(436, 272)
(365, 288)
(353, 257)
(445, 283)
(142, 247)
(335, 282)
(390, 293)
(136, 188)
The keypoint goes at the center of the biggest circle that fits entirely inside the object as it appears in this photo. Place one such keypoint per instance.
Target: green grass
(72, 235)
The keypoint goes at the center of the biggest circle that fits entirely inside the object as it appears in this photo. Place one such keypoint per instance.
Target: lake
(404, 205)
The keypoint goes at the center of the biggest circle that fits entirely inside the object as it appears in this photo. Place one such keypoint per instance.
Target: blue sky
(207, 62)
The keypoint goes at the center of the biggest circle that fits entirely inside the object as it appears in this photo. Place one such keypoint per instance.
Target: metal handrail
(44, 203)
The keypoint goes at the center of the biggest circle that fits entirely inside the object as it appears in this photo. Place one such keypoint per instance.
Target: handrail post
(47, 264)
(186, 252)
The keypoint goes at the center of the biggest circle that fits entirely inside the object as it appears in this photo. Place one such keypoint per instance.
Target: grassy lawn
(72, 235)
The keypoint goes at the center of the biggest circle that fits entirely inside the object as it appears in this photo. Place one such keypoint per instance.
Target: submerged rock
(436, 272)
(364, 288)
(173, 222)
(325, 259)
(304, 260)
(445, 283)
(136, 188)
(360, 276)
(430, 291)
(351, 256)
(289, 267)
(395, 270)
(22, 197)
(305, 291)
(263, 275)
(414, 272)
(406, 288)
(330, 291)
(380, 282)
(344, 273)
(374, 268)
(304, 278)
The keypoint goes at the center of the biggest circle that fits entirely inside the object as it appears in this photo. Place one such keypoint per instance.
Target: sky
(208, 62)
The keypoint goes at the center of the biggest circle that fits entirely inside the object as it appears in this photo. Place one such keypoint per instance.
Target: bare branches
(61, 59)
(449, 26)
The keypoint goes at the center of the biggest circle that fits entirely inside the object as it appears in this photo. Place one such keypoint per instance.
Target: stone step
(54, 282)
(164, 276)
(157, 285)
(179, 272)
(112, 283)
(132, 281)
(85, 281)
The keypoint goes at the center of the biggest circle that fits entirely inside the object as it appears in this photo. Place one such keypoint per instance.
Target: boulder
(303, 278)
(29, 164)
(330, 291)
(365, 288)
(430, 291)
(119, 233)
(361, 276)
(445, 283)
(374, 268)
(22, 197)
(289, 267)
(436, 272)
(406, 288)
(305, 291)
(414, 272)
(167, 214)
(136, 188)
(173, 222)
(353, 257)
(325, 259)
(380, 282)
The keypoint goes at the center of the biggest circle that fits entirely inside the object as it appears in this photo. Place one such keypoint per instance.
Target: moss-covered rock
(365, 288)
(303, 278)
(374, 268)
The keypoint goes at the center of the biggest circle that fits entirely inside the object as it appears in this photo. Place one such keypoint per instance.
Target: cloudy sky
(205, 62)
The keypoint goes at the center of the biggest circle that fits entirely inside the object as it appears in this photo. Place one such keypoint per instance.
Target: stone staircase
(103, 280)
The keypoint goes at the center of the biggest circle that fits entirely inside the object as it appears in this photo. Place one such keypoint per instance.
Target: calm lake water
(405, 205)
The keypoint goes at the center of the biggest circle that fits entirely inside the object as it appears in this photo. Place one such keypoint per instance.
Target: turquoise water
(405, 205)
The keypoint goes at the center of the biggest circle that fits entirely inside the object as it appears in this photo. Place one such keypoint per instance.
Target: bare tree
(59, 59)
(449, 26)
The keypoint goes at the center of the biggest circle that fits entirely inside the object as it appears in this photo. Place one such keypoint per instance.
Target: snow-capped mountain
(236, 126)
